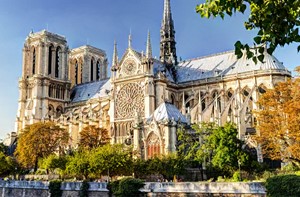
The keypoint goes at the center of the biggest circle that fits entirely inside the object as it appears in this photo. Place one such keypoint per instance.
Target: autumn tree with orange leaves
(93, 137)
(39, 140)
(278, 129)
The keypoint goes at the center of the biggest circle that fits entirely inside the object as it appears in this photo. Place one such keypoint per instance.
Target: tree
(277, 22)
(80, 164)
(278, 122)
(53, 162)
(219, 146)
(39, 140)
(112, 160)
(93, 137)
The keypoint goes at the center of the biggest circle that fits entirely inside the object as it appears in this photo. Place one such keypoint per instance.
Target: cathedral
(145, 99)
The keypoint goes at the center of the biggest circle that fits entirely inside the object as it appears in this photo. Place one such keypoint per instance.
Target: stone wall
(151, 189)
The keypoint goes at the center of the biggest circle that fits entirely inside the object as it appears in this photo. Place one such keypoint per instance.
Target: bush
(54, 188)
(126, 187)
(236, 176)
(84, 189)
(283, 185)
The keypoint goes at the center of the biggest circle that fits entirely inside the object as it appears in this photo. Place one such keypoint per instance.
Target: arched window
(92, 70)
(50, 60)
(76, 72)
(57, 61)
(98, 70)
(33, 61)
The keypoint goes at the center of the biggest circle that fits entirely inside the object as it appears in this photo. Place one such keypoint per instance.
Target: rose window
(130, 99)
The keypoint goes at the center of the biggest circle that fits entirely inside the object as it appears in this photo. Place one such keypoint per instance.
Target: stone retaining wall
(151, 189)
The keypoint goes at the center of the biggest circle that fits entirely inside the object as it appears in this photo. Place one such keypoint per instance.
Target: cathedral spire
(148, 47)
(167, 33)
(114, 66)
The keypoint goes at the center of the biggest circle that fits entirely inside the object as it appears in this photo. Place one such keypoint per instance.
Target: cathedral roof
(87, 91)
(167, 112)
(222, 65)
(158, 66)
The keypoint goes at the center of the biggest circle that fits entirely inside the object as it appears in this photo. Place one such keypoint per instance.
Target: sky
(100, 22)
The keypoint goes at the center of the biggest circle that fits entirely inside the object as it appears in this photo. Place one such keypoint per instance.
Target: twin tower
(50, 70)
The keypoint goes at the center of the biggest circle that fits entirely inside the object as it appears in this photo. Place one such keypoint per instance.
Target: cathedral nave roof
(223, 64)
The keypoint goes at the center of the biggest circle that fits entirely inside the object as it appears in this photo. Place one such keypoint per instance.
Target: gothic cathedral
(145, 99)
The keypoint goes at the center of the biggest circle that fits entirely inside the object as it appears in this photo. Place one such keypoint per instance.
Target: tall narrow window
(76, 72)
(50, 60)
(92, 70)
(33, 61)
(98, 70)
(57, 62)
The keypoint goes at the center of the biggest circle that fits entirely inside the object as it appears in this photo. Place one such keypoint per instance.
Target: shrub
(236, 176)
(54, 188)
(283, 185)
(84, 189)
(126, 187)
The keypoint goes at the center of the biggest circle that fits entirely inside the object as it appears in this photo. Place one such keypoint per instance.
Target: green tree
(93, 137)
(277, 22)
(53, 162)
(112, 160)
(220, 146)
(39, 140)
(7, 164)
(79, 164)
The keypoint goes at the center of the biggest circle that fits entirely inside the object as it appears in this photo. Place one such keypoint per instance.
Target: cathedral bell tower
(167, 38)
(44, 86)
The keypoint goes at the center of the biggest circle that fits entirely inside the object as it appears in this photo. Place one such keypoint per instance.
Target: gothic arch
(153, 145)
(33, 61)
(58, 62)
(59, 111)
(50, 58)
(98, 70)
(92, 69)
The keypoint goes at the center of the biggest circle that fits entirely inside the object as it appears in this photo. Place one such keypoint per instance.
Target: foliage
(127, 187)
(7, 164)
(39, 140)
(221, 146)
(283, 185)
(54, 188)
(84, 189)
(53, 162)
(93, 137)
(187, 144)
(167, 165)
(278, 22)
(278, 122)
(79, 164)
(112, 160)
(236, 177)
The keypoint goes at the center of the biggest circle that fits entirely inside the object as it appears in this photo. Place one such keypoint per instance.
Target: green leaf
(261, 58)
(257, 39)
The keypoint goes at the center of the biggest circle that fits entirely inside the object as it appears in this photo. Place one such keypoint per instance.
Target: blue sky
(99, 23)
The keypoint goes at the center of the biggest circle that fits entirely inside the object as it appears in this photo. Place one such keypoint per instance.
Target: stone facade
(145, 99)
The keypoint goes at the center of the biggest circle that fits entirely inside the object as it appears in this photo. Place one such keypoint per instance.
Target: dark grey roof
(86, 91)
(167, 112)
